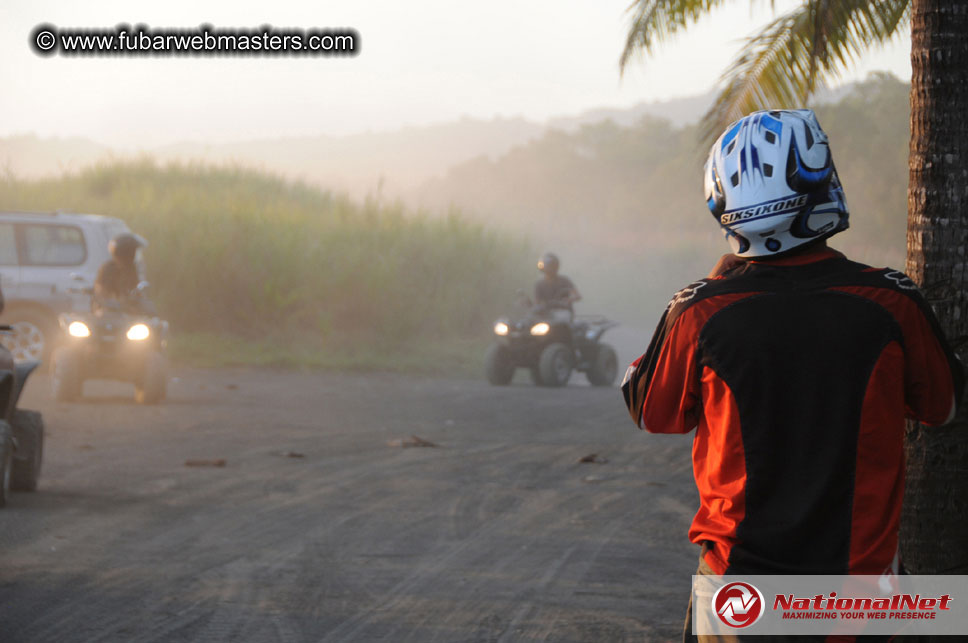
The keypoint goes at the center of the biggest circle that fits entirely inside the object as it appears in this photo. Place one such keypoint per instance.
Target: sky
(420, 62)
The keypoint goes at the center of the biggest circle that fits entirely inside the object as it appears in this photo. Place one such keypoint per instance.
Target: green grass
(243, 263)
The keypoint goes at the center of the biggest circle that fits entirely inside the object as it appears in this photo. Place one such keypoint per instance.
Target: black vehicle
(118, 341)
(21, 431)
(551, 345)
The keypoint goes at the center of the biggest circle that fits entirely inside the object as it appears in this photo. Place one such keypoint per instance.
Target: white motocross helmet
(771, 183)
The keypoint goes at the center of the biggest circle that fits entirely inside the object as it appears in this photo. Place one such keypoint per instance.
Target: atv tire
(535, 376)
(28, 431)
(498, 365)
(65, 375)
(604, 368)
(6, 461)
(555, 365)
(153, 387)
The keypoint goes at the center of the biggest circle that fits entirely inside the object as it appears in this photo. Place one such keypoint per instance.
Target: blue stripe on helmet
(772, 124)
(731, 134)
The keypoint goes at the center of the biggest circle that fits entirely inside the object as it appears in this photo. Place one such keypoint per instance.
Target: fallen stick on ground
(219, 462)
(412, 441)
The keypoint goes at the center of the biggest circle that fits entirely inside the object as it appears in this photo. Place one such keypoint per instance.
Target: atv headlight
(78, 329)
(501, 328)
(138, 332)
(541, 328)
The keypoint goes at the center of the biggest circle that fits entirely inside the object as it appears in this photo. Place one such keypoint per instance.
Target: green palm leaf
(782, 65)
(656, 20)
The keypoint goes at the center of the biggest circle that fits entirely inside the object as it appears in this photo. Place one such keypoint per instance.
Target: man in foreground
(796, 366)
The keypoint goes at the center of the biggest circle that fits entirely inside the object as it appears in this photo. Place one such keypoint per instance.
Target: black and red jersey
(797, 375)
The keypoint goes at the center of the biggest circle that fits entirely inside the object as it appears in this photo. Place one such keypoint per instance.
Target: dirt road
(496, 534)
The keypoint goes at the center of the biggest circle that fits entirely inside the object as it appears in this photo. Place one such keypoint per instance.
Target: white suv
(48, 263)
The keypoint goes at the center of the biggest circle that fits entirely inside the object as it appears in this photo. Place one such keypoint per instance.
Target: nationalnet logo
(830, 605)
(738, 604)
(897, 606)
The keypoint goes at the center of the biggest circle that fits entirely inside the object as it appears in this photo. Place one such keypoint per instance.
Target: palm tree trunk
(934, 529)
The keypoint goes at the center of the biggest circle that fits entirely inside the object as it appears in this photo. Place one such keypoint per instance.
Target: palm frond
(656, 20)
(784, 64)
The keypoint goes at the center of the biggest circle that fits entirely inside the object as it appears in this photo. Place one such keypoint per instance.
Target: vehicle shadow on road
(128, 400)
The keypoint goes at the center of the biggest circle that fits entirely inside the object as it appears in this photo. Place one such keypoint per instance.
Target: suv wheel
(32, 337)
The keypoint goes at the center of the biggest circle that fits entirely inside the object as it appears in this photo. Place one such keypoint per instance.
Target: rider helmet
(771, 183)
(548, 264)
(124, 246)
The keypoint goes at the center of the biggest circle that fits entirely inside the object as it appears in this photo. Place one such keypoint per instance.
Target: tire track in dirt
(499, 534)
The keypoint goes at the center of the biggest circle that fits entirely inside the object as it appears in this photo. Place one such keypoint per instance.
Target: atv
(117, 341)
(21, 431)
(551, 346)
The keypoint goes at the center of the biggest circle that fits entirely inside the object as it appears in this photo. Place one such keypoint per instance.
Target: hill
(616, 191)
(625, 204)
(391, 163)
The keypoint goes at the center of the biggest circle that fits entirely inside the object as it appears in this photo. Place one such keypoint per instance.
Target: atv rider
(554, 293)
(117, 279)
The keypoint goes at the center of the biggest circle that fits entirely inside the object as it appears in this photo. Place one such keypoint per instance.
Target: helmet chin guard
(771, 183)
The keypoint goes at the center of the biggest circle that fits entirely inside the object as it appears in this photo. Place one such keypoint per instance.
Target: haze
(332, 241)
(420, 63)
